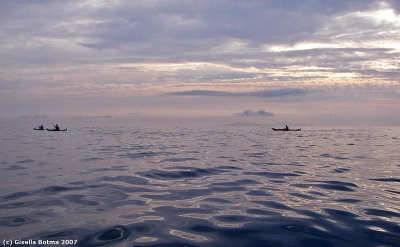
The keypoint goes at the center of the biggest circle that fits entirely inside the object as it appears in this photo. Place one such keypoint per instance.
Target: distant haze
(318, 62)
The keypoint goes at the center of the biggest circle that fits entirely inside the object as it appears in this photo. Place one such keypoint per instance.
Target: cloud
(171, 30)
(237, 33)
(278, 93)
(284, 92)
(210, 21)
(202, 93)
(250, 113)
(77, 49)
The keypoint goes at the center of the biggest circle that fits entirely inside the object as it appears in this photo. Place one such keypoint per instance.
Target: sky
(305, 62)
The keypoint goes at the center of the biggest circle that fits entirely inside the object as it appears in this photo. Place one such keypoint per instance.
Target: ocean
(200, 186)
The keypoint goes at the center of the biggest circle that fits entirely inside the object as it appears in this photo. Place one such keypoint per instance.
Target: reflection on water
(227, 186)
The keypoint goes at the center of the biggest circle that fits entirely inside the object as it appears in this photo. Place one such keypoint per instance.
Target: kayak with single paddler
(286, 129)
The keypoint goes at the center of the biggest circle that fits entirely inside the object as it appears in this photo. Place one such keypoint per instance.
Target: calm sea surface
(222, 186)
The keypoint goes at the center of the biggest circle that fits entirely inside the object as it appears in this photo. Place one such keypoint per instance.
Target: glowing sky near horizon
(148, 57)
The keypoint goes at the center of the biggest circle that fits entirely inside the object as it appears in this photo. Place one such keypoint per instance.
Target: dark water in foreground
(225, 186)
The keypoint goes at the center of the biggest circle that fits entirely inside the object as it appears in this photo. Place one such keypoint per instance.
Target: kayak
(286, 129)
(37, 129)
(57, 130)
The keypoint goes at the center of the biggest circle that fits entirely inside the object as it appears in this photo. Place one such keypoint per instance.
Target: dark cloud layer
(263, 94)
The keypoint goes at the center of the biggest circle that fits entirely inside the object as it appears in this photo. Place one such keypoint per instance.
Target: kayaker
(41, 127)
(56, 127)
(287, 128)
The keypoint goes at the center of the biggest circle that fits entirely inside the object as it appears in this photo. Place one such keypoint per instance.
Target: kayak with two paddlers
(56, 128)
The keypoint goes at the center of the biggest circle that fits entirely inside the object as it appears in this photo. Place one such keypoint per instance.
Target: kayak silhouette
(274, 129)
(57, 129)
(39, 128)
